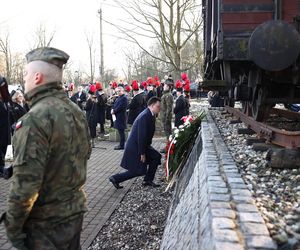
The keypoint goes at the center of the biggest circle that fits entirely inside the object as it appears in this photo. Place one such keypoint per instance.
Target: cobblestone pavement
(102, 197)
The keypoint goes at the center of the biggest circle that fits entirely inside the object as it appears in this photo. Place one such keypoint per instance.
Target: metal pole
(101, 66)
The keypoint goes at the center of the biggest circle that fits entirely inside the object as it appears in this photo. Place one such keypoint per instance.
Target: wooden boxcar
(252, 52)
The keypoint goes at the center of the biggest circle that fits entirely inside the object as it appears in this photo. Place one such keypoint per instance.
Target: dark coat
(181, 109)
(120, 107)
(139, 142)
(150, 94)
(101, 107)
(79, 100)
(4, 131)
(136, 106)
(16, 112)
(91, 116)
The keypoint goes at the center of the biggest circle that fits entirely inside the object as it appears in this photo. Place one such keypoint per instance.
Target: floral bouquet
(180, 144)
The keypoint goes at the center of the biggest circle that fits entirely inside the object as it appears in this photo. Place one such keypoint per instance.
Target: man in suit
(79, 98)
(140, 158)
(119, 110)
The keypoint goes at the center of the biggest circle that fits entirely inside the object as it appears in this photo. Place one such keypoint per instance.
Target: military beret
(49, 55)
(169, 82)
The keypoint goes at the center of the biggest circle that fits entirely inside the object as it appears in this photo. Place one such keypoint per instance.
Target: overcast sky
(70, 19)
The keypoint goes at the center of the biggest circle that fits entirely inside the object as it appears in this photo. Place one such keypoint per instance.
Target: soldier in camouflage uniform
(166, 109)
(46, 201)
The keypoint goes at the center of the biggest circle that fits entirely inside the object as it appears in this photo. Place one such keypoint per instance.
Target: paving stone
(241, 192)
(228, 246)
(225, 213)
(216, 204)
(215, 178)
(218, 190)
(219, 197)
(237, 185)
(263, 242)
(222, 223)
(226, 235)
(243, 199)
(235, 180)
(246, 208)
(250, 217)
(249, 228)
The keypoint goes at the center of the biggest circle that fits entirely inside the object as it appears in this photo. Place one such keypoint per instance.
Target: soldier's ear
(38, 78)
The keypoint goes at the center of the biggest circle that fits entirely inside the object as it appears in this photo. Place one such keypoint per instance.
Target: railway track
(272, 134)
(279, 135)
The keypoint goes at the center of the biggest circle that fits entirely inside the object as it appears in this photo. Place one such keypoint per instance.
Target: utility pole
(101, 66)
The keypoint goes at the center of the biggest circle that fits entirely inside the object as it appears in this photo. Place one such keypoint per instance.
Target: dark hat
(49, 55)
(169, 82)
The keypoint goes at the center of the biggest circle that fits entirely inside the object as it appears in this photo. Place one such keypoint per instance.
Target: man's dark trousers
(153, 160)
(122, 137)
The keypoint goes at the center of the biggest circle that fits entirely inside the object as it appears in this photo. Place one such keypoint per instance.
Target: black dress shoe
(150, 183)
(118, 148)
(115, 183)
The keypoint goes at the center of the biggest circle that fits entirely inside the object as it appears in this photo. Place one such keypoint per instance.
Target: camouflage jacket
(166, 108)
(52, 147)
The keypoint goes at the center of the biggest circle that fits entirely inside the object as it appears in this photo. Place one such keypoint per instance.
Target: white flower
(176, 131)
(174, 142)
(181, 126)
(170, 138)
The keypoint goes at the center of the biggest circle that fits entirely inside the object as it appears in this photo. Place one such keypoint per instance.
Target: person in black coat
(119, 110)
(101, 106)
(140, 158)
(79, 97)
(91, 115)
(181, 107)
(4, 131)
(18, 108)
(150, 92)
(137, 104)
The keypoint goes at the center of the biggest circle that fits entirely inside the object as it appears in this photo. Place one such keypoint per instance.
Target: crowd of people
(121, 103)
(54, 131)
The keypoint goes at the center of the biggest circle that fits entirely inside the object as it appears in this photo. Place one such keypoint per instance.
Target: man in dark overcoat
(119, 110)
(181, 106)
(101, 106)
(4, 131)
(137, 104)
(140, 158)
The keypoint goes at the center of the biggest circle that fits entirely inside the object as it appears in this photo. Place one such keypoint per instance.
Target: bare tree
(17, 67)
(42, 38)
(92, 50)
(172, 23)
(5, 50)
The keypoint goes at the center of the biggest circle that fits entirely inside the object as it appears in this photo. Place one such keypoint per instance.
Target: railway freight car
(252, 52)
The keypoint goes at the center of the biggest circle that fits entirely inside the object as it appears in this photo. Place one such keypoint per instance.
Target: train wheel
(260, 110)
(246, 108)
(229, 101)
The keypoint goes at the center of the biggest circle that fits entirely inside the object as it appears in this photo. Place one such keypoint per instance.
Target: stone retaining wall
(212, 208)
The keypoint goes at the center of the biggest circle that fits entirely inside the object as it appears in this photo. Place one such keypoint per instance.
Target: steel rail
(287, 139)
